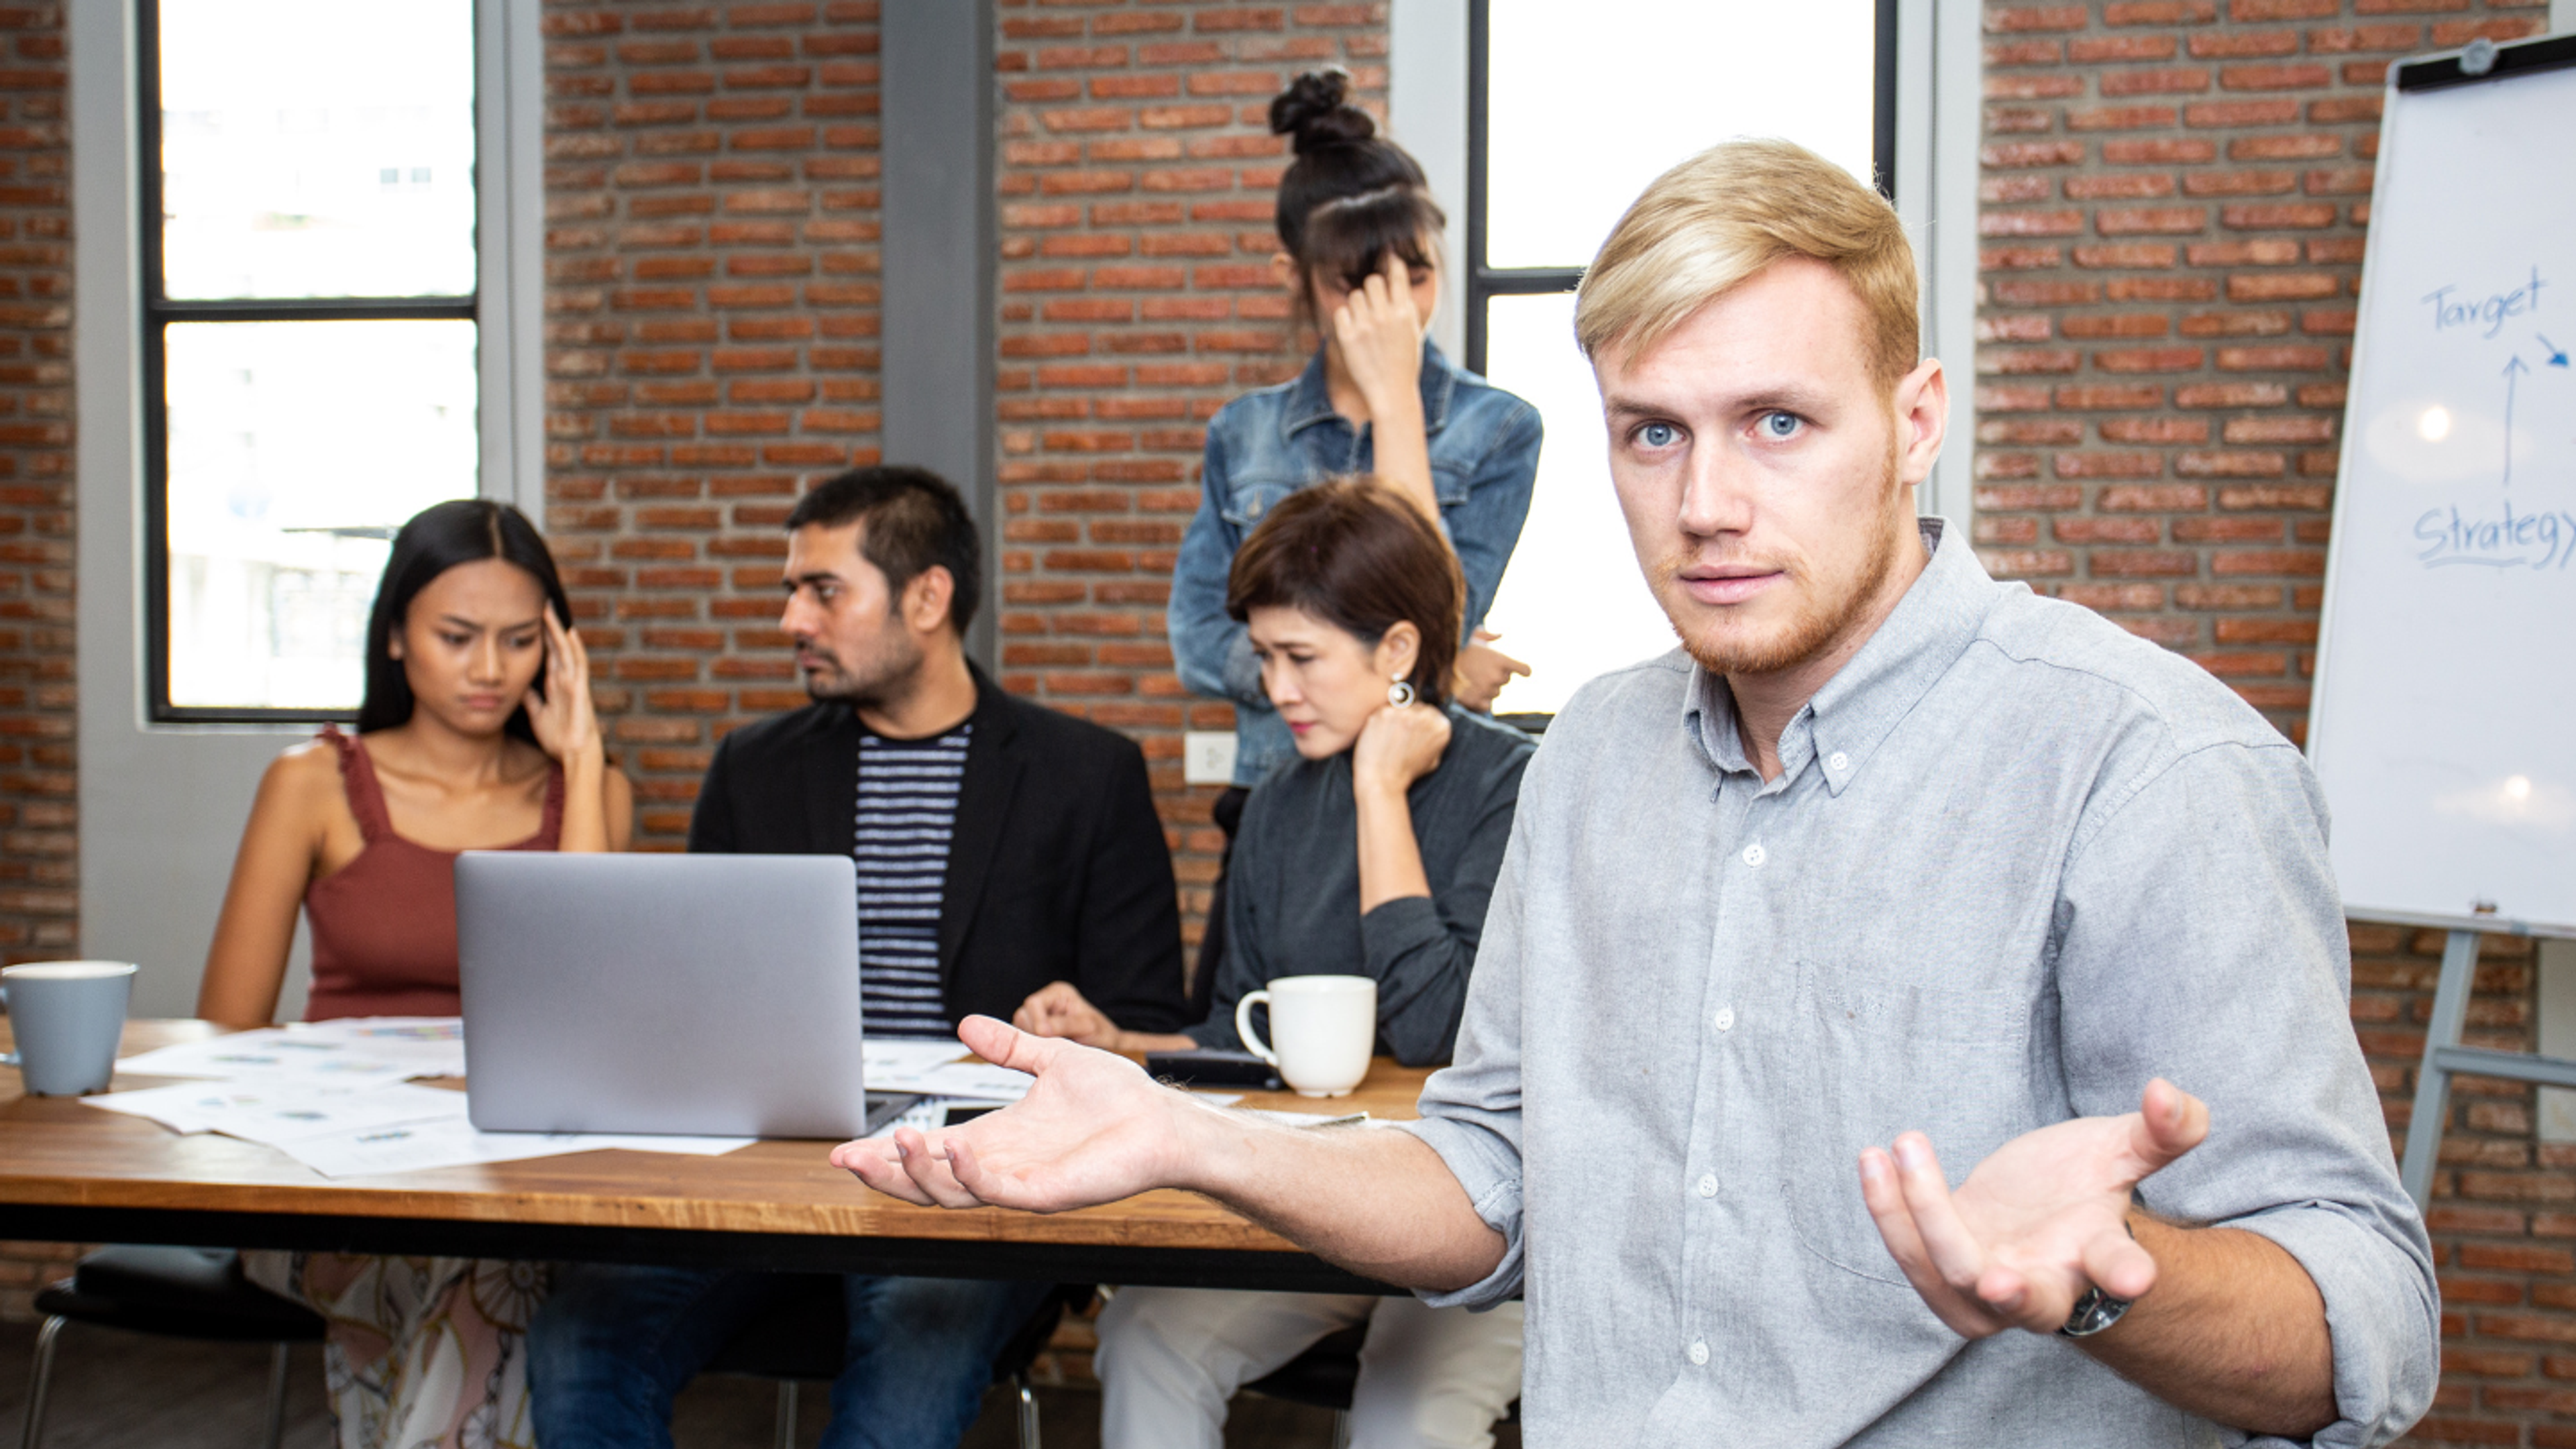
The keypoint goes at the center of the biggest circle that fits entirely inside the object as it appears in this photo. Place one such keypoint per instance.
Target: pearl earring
(1400, 693)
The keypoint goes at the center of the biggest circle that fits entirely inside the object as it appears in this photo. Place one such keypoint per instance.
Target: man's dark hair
(915, 521)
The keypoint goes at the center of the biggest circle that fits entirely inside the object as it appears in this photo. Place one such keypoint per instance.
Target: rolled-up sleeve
(1471, 1109)
(2383, 1381)
(2201, 939)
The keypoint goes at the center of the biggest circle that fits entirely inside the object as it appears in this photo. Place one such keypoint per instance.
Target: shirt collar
(1856, 710)
(1311, 402)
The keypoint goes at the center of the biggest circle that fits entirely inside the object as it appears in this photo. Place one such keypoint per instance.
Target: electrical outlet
(1207, 757)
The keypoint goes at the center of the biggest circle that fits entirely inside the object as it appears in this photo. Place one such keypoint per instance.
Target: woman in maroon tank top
(476, 733)
(459, 747)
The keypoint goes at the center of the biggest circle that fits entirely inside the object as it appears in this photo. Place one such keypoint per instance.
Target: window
(1571, 114)
(309, 348)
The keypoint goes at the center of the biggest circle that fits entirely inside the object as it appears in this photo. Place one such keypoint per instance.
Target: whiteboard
(2443, 726)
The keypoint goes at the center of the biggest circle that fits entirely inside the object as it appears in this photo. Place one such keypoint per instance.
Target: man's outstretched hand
(1093, 1129)
(2034, 1224)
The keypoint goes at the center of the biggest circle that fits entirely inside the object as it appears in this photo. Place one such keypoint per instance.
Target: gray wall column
(937, 144)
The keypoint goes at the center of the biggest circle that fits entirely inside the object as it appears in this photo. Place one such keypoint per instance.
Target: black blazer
(1058, 870)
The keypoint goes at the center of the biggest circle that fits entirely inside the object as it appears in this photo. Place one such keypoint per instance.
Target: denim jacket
(1265, 445)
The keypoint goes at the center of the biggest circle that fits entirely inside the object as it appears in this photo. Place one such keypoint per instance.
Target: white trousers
(1170, 1359)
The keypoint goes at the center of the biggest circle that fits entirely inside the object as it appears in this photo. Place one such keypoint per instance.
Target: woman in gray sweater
(1373, 852)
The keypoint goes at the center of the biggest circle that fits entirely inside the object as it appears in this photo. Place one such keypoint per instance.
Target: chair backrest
(1323, 1376)
(802, 1338)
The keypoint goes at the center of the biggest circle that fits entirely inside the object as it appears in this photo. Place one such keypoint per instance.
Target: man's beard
(886, 677)
(1816, 625)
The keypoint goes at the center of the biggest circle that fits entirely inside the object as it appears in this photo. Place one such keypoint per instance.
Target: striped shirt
(907, 813)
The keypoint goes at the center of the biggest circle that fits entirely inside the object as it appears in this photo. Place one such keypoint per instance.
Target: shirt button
(1698, 1354)
(1725, 1018)
(1708, 1184)
(1754, 854)
(1838, 762)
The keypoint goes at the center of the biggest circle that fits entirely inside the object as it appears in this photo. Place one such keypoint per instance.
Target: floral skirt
(422, 1353)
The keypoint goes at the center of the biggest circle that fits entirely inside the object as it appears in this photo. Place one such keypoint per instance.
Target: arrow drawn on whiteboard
(2513, 368)
(2557, 358)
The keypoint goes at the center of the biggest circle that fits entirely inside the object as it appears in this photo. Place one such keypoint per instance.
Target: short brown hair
(1359, 556)
(1717, 219)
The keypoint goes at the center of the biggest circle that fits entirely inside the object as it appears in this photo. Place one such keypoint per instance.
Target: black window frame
(158, 313)
(1485, 282)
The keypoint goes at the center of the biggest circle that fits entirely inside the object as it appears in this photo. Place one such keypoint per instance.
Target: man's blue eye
(1658, 435)
(1779, 425)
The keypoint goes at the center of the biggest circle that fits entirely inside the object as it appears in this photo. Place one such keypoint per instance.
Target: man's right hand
(1093, 1129)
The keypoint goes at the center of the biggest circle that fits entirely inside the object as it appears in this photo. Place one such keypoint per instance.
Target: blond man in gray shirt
(1888, 866)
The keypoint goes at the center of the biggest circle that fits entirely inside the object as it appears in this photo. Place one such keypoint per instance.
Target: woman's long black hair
(438, 538)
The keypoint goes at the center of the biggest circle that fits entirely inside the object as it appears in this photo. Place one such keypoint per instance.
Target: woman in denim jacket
(1359, 237)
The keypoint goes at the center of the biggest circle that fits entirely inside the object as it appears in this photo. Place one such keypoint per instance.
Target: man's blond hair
(1717, 219)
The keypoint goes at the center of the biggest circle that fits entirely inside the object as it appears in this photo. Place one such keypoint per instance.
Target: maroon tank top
(384, 925)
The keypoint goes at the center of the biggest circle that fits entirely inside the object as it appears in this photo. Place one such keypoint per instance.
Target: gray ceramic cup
(67, 1017)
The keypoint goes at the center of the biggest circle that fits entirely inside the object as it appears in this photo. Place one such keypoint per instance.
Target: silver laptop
(699, 994)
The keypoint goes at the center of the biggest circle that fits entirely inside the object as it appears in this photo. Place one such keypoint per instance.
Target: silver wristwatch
(2095, 1311)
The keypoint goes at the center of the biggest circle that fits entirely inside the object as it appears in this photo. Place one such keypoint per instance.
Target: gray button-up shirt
(2016, 863)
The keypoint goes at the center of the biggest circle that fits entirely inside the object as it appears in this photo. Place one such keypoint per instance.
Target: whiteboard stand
(2444, 1057)
(2451, 565)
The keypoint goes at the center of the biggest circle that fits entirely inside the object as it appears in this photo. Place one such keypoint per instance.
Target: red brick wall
(39, 896)
(2175, 193)
(712, 313)
(39, 888)
(1137, 179)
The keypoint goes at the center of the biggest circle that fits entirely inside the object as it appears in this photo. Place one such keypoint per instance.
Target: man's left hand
(2036, 1223)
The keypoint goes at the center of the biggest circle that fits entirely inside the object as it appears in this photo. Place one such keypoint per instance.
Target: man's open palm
(2035, 1223)
(1093, 1129)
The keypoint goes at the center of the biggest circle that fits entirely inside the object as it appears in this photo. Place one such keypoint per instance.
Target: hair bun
(1313, 111)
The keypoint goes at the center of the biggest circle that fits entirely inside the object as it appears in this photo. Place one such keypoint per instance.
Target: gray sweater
(1292, 893)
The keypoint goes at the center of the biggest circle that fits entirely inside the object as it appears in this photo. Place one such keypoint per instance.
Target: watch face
(2095, 1311)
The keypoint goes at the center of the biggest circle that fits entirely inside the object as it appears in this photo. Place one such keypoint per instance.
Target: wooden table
(72, 1173)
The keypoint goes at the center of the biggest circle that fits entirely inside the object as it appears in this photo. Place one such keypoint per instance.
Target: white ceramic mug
(1325, 1027)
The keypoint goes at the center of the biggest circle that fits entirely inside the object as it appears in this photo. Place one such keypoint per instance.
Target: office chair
(1323, 1377)
(197, 1293)
(802, 1340)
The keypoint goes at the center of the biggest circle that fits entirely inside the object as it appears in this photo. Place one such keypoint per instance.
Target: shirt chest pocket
(1248, 500)
(1864, 1058)
(1450, 478)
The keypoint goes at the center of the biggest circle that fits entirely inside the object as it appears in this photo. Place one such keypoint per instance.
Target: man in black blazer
(1001, 846)
(1058, 870)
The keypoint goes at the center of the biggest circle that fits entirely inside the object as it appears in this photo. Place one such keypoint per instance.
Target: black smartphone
(1212, 1069)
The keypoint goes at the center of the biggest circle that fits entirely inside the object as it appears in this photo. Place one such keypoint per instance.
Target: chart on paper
(2444, 722)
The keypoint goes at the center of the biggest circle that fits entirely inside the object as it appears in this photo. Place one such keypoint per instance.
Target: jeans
(614, 1344)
